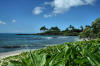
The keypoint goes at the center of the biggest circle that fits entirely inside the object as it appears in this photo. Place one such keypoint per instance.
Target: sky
(27, 16)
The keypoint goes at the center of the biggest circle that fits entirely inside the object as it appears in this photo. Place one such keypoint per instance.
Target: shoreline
(17, 52)
(13, 53)
(45, 34)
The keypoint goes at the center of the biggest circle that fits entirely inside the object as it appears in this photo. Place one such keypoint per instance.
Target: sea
(12, 42)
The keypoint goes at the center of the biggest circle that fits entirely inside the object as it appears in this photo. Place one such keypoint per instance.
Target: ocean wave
(47, 37)
(21, 46)
(55, 37)
(63, 37)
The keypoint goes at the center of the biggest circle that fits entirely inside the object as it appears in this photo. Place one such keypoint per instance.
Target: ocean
(13, 42)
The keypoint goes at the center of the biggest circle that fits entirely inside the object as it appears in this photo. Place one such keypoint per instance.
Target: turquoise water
(12, 42)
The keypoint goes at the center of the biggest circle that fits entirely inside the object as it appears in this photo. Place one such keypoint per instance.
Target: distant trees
(54, 29)
(81, 28)
(51, 31)
(71, 27)
(43, 28)
(89, 32)
(70, 31)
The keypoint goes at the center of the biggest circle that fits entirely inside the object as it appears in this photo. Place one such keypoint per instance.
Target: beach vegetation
(91, 32)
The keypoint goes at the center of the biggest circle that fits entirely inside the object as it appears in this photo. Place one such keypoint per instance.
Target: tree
(54, 29)
(87, 33)
(43, 28)
(96, 26)
(66, 30)
(88, 26)
(92, 32)
(81, 27)
(71, 27)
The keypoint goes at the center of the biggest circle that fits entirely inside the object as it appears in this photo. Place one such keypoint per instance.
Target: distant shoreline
(24, 34)
(46, 34)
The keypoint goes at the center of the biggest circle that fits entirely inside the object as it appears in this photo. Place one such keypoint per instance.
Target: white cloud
(14, 20)
(49, 15)
(1, 22)
(61, 6)
(90, 1)
(37, 10)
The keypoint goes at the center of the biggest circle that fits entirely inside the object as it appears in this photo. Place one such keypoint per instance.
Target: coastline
(59, 52)
(13, 53)
(17, 52)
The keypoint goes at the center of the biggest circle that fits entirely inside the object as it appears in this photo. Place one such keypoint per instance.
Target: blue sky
(27, 16)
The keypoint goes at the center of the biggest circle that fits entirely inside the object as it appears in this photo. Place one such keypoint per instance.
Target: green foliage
(82, 53)
(93, 31)
(70, 31)
(52, 33)
(81, 27)
(54, 29)
(96, 25)
(43, 28)
(90, 32)
(37, 59)
(87, 33)
(71, 27)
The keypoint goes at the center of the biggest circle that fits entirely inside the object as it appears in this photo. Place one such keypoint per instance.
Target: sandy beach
(12, 53)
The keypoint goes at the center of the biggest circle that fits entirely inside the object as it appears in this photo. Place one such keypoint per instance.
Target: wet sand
(13, 53)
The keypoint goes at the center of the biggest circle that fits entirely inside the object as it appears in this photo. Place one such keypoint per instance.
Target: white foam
(63, 37)
(47, 37)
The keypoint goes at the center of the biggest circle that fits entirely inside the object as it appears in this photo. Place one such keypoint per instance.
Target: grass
(81, 53)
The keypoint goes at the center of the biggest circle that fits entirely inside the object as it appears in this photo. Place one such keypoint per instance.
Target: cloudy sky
(27, 16)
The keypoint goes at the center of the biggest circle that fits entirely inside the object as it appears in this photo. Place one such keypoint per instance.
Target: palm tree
(54, 29)
(43, 28)
(71, 27)
(81, 27)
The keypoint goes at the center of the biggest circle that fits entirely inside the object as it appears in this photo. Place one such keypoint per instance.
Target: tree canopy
(96, 25)
(43, 28)
(89, 31)
(93, 31)
(54, 29)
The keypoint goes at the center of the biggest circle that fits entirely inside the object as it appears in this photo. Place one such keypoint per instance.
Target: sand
(13, 53)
